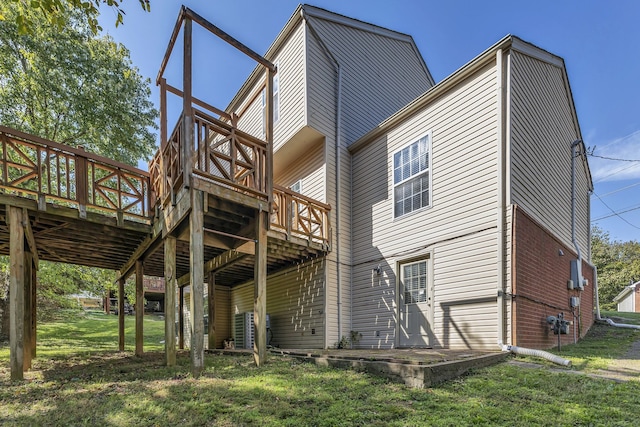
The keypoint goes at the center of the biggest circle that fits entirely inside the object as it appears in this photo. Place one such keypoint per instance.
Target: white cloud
(627, 147)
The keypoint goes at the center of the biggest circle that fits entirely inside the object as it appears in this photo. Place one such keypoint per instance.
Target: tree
(72, 87)
(56, 11)
(618, 263)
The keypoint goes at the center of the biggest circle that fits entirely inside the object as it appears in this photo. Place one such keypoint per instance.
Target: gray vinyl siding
(291, 71)
(321, 115)
(222, 319)
(542, 130)
(291, 68)
(465, 278)
(459, 229)
(374, 86)
(310, 169)
(321, 89)
(295, 301)
(251, 120)
(222, 314)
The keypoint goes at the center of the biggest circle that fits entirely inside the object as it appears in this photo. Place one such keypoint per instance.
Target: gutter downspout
(501, 196)
(338, 158)
(574, 144)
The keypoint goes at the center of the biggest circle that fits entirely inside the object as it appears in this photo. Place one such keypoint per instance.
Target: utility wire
(614, 213)
(620, 189)
(613, 158)
(617, 214)
(615, 172)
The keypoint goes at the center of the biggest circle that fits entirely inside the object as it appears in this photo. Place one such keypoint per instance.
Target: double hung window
(412, 177)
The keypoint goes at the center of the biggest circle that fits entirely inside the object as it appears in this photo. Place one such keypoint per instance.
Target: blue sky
(598, 40)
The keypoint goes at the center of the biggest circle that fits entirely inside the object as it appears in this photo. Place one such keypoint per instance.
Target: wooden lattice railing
(236, 160)
(229, 156)
(300, 216)
(50, 172)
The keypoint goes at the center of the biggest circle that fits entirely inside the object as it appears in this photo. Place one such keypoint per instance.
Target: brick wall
(540, 276)
(637, 297)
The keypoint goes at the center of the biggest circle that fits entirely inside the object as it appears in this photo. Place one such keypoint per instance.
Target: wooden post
(196, 249)
(187, 133)
(163, 190)
(34, 309)
(82, 184)
(139, 308)
(28, 309)
(16, 293)
(181, 319)
(121, 314)
(211, 284)
(260, 290)
(170, 281)
(269, 139)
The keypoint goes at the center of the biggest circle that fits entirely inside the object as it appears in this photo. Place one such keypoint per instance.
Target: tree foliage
(618, 264)
(63, 83)
(56, 12)
(72, 87)
(57, 281)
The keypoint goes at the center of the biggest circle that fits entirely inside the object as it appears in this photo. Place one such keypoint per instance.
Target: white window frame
(298, 184)
(276, 101)
(421, 291)
(428, 171)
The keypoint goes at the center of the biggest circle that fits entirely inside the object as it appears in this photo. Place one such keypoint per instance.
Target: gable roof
(508, 42)
(305, 11)
(626, 291)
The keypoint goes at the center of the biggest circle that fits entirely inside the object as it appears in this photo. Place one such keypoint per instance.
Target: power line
(620, 189)
(614, 213)
(613, 158)
(618, 214)
(615, 172)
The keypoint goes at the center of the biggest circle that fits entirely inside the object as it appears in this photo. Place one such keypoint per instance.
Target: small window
(296, 186)
(276, 102)
(412, 177)
(414, 281)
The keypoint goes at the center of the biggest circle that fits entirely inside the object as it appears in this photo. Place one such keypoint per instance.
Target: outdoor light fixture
(377, 270)
(560, 252)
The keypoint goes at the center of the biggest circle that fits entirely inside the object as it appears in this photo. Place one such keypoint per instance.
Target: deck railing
(50, 172)
(300, 216)
(236, 160)
(229, 156)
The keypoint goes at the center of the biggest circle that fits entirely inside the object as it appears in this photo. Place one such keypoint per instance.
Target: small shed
(629, 299)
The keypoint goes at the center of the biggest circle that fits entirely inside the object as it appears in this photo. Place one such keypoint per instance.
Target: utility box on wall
(576, 274)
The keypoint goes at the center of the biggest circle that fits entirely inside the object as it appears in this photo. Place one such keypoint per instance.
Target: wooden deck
(207, 211)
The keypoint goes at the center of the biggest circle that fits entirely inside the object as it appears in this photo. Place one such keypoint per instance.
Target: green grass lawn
(78, 379)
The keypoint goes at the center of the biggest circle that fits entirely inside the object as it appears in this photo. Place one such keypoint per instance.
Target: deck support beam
(34, 305)
(16, 292)
(139, 308)
(28, 309)
(260, 290)
(187, 108)
(211, 312)
(181, 319)
(170, 300)
(196, 253)
(121, 313)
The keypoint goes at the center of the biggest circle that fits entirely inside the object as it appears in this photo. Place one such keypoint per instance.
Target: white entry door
(415, 305)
